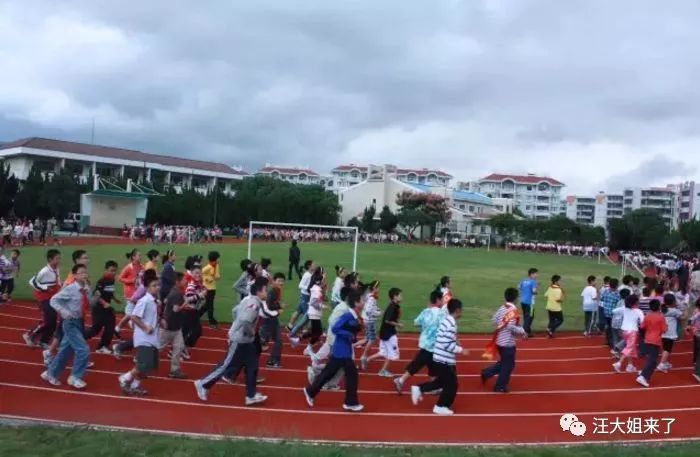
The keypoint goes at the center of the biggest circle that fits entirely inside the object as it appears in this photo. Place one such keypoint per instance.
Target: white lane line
(375, 444)
(311, 411)
(392, 392)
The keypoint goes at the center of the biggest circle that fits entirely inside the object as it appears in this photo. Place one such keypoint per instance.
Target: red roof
(288, 171)
(119, 153)
(401, 171)
(522, 179)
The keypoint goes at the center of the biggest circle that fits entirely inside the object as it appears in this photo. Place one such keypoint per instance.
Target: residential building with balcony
(345, 176)
(537, 197)
(85, 160)
(294, 175)
(581, 209)
(663, 200)
(688, 201)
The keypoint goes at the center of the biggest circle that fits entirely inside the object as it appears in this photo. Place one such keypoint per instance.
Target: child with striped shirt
(370, 314)
(444, 362)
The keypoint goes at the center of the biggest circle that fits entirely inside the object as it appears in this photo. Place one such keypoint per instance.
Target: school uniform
(46, 284)
(147, 345)
(302, 309)
(70, 302)
(315, 313)
(192, 327)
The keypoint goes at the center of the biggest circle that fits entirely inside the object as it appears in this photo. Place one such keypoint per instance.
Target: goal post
(356, 236)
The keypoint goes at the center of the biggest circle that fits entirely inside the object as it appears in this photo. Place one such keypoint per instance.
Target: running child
(632, 319)
(445, 288)
(152, 262)
(145, 339)
(240, 287)
(195, 293)
(444, 363)
(429, 322)
(608, 301)
(589, 297)
(555, 298)
(130, 279)
(673, 316)
(338, 284)
(270, 329)
(46, 284)
(370, 314)
(299, 318)
(694, 330)
(103, 318)
(616, 323)
(317, 289)
(601, 309)
(528, 292)
(9, 270)
(388, 339)
(168, 278)
(655, 326)
(170, 332)
(211, 273)
(145, 277)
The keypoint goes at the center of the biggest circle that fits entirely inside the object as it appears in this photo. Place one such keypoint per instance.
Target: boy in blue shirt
(528, 290)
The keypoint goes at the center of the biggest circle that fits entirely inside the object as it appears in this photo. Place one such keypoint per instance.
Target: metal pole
(250, 238)
(354, 254)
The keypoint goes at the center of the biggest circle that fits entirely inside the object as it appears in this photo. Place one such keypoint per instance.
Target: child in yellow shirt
(210, 274)
(555, 298)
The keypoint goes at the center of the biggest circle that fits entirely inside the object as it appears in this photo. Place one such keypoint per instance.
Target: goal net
(303, 233)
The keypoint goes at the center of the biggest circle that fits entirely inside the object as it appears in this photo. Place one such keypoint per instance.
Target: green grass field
(77, 442)
(478, 277)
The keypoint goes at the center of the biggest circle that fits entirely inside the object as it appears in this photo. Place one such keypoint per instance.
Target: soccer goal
(273, 231)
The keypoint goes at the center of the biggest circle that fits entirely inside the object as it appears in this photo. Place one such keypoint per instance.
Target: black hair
(168, 254)
(511, 294)
(350, 279)
(624, 293)
(532, 271)
(631, 300)
(316, 277)
(78, 253)
(654, 305)
(130, 255)
(148, 275)
(659, 289)
(16, 251)
(614, 282)
(435, 296)
(308, 264)
(606, 280)
(111, 264)
(245, 263)
(646, 292)
(258, 285)
(152, 254)
(294, 242)
(453, 305)
(52, 254)
(344, 291)
(250, 269)
(556, 278)
(353, 298)
(373, 284)
(193, 261)
(669, 302)
(148, 281)
(635, 281)
(591, 279)
(339, 270)
(278, 275)
(213, 256)
(178, 276)
(77, 267)
(394, 292)
(265, 262)
(444, 280)
(627, 279)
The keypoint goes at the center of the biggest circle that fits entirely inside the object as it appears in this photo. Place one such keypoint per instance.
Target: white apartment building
(295, 175)
(345, 176)
(688, 201)
(537, 197)
(581, 209)
(664, 200)
(83, 160)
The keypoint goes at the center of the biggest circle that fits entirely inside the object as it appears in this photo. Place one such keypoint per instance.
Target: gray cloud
(556, 88)
(657, 171)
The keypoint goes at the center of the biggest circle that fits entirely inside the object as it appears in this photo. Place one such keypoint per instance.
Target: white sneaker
(104, 350)
(662, 368)
(258, 398)
(53, 381)
(641, 380)
(353, 408)
(442, 411)
(294, 341)
(386, 374)
(201, 391)
(631, 369)
(416, 395)
(28, 340)
(124, 384)
(76, 383)
(47, 356)
(309, 400)
(90, 364)
(115, 350)
(228, 380)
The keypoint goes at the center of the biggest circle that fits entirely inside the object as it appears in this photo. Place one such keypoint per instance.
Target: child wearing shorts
(370, 314)
(388, 339)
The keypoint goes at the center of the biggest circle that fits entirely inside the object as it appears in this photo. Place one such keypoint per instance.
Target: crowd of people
(23, 231)
(165, 308)
(171, 234)
(556, 248)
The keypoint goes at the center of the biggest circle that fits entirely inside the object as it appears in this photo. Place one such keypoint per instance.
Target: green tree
(31, 199)
(62, 195)
(419, 209)
(368, 223)
(8, 190)
(639, 230)
(388, 220)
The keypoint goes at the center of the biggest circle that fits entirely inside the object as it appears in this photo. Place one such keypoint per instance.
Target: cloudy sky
(598, 94)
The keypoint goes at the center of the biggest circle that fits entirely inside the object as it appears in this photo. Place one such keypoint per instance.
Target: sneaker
(76, 383)
(642, 381)
(273, 364)
(310, 374)
(115, 350)
(28, 340)
(662, 368)
(258, 398)
(331, 387)
(309, 399)
(117, 332)
(53, 381)
(386, 374)
(484, 378)
(294, 340)
(177, 375)
(90, 364)
(398, 385)
(214, 326)
(631, 369)
(501, 390)
(138, 391)
(228, 380)
(617, 367)
(104, 350)
(186, 355)
(416, 395)
(364, 363)
(353, 408)
(613, 351)
(47, 356)
(442, 411)
(125, 385)
(201, 391)
(550, 334)
(260, 380)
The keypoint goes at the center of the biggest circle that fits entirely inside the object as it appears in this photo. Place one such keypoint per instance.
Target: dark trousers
(422, 359)
(238, 356)
(271, 331)
(445, 379)
(556, 318)
(233, 371)
(588, 321)
(329, 371)
(191, 328)
(696, 354)
(103, 320)
(503, 368)
(652, 361)
(126, 345)
(294, 266)
(643, 351)
(315, 332)
(46, 329)
(209, 307)
(528, 316)
(609, 332)
(7, 286)
(601, 319)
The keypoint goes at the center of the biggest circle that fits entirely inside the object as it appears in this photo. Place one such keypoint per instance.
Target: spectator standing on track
(589, 297)
(555, 297)
(103, 318)
(528, 292)
(655, 326)
(146, 341)
(211, 273)
(294, 259)
(46, 284)
(429, 322)
(506, 322)
(388, 339)
(69, 303)
(345, 330)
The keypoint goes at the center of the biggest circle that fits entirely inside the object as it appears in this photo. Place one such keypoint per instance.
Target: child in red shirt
(655, 326)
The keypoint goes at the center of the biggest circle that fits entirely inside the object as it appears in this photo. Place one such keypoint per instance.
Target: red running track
(569, 374)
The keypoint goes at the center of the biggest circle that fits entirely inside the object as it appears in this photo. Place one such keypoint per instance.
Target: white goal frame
(305, 226)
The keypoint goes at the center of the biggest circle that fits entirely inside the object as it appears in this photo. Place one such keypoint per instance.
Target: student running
(388, 339)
